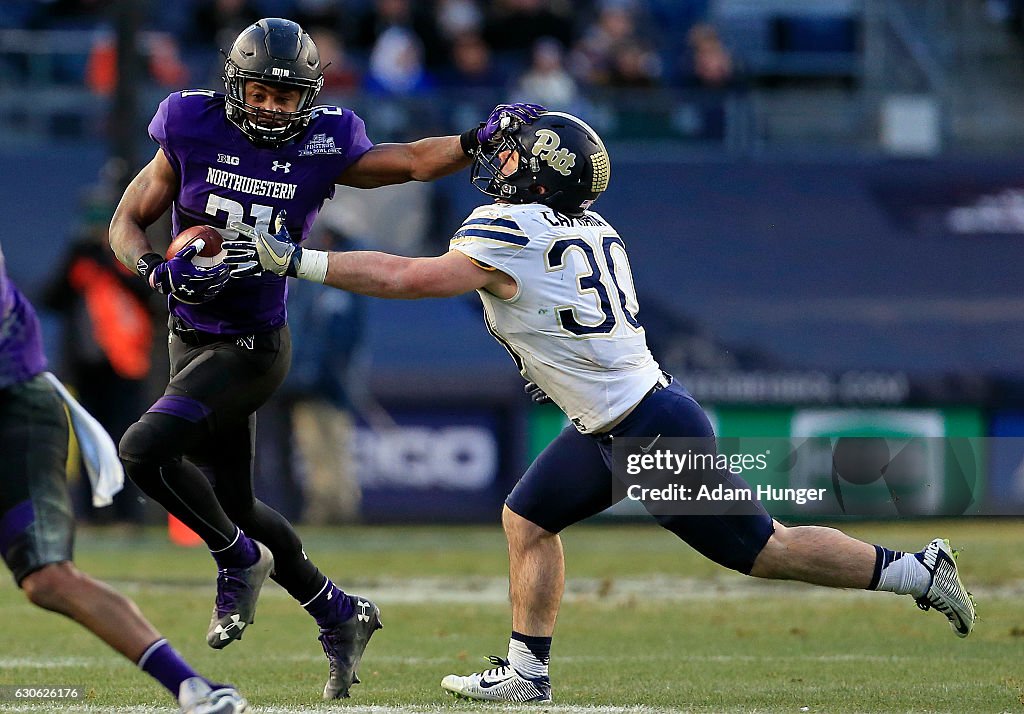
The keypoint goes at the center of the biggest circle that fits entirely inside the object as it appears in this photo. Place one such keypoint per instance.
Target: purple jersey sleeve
(358, 141)
(158, 131)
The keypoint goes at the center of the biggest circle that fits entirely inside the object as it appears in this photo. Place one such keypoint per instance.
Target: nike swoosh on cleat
(486, 684)
(961, 623)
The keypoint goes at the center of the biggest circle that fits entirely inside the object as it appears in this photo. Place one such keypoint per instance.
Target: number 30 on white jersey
(572, 326)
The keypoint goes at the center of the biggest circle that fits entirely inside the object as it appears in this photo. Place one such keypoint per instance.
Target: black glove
(536, 393)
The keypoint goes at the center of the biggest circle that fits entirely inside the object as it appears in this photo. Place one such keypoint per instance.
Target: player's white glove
(257, 250)
(262, 251)
(243, 254)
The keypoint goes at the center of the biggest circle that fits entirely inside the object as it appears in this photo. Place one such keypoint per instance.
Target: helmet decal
(546, 147)
(602, 170)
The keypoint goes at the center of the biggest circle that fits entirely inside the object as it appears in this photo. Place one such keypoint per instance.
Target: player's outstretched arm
(434, 157)
(423, 160)
(392, 276)
(368, 272)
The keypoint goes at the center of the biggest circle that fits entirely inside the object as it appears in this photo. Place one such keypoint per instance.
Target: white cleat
(501, 684)
(196, 696)
(946, 593)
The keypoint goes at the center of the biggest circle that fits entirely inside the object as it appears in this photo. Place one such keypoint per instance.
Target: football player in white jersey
(555, 282)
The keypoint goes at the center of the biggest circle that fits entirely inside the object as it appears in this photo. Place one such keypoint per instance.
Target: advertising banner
(435, 464)
(891, 462)
(1006, 485)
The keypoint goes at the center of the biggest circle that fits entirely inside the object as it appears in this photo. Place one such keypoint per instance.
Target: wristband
(310, 265)
(470, 142)
(147, 264)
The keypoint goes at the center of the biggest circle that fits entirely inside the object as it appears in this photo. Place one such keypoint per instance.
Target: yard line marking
(47, 662)
(660, 588)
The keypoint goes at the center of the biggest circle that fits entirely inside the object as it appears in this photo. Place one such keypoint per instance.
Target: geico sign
(427, 457)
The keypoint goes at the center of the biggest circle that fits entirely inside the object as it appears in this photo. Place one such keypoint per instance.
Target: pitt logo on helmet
(546, 147)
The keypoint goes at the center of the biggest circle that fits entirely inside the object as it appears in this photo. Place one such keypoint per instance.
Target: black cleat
(344, 646)
(238, 589)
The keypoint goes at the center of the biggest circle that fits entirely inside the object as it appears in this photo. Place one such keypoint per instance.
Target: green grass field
(647, 626)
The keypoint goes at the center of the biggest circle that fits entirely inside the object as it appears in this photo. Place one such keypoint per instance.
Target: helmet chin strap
(272, 135)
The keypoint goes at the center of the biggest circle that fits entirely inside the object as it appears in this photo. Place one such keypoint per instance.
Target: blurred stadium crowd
(472, 53)
(738, 74)
(402, 47)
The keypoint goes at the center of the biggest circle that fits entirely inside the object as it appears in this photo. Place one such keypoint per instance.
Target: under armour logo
(364, 611)
(236, 622)
(285, 166)
(546, 147)
(246, 342)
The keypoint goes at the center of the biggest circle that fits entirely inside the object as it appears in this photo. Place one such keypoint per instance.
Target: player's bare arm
(149, 194)
(434, 157)
(392, 276)
(367, 272)
(423, 160)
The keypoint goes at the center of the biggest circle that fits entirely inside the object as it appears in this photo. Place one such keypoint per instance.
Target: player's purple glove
(188, 283)
(505, 117)
(536, 393)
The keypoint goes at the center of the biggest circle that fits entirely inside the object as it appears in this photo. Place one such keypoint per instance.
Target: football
(210, 254)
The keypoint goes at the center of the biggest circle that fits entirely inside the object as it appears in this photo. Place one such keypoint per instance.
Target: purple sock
(240, 553)
(330, 606)
(161, 662)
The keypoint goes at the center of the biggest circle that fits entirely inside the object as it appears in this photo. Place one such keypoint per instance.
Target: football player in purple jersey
(37, 527)
(262, 153)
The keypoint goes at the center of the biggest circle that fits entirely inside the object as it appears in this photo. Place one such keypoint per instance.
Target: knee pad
(144, 443)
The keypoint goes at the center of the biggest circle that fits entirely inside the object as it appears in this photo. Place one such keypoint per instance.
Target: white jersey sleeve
(571, 326)
(490, 236)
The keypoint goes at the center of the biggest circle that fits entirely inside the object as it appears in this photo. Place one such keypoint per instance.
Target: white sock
(525, 662)
(905, 576)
